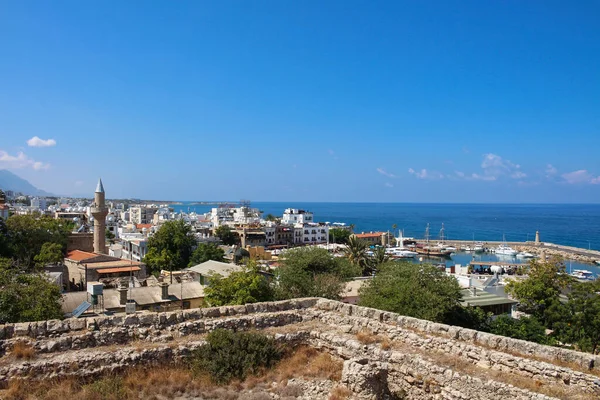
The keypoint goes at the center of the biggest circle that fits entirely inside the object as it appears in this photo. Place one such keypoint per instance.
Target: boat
(478, 247)
(583, 274)
(400, 251)
(505, 249)
(598, 262)
(525, 254)
(432, 251)
(468, 249)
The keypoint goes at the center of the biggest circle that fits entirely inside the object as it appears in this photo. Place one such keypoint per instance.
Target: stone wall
(415, 366)
(457, 334)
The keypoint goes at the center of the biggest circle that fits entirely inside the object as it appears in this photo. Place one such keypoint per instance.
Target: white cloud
(387, 184)
(424, 174)
(20, 161)
(385, 173)
(496, 166)
(550, 171)
(37, 142)
(478, 177)
(579, 177)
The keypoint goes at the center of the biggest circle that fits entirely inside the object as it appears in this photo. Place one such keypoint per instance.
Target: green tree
(379, 257)
(542, 287)
(50, 253)
(311, 271)
(339, 235)
(271, 217)
(578, 321)
(416, 290)
(170, 247)
(28, 233)
(109, 235)
(205, 252)
(28, 297)
(240, 287)
(227, 236)
(356, 252)
(525, 328)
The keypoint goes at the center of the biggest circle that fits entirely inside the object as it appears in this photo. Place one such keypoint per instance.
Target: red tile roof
(369, 235)
(142, 226)
(78, 255)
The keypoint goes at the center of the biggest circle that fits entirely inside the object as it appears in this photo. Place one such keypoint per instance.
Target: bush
(525, 328)
(234, 355)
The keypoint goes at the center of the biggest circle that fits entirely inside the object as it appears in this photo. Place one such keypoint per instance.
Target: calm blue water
(567, 224)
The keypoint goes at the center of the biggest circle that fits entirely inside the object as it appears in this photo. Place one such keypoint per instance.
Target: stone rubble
(414, 368)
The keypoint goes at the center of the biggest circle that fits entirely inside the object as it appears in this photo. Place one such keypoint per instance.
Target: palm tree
(380, 256)
(356, 251)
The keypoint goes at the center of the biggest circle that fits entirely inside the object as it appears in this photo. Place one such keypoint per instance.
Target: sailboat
(400, 251)
(431, 251)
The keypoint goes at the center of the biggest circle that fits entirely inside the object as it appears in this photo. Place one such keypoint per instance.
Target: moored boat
(525, 254)
(583, 274)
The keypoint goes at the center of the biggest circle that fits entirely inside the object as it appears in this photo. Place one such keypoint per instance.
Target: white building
(292, 216)
(234, 215)
(134, 246)
(38, 203)
(142, 214)
(312, 233)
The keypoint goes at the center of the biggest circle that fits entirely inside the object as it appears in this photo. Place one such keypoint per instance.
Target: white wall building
(292, 216)
(234, 215)
(38, 203)
(135, 246)
(142, 214)
(310, 233)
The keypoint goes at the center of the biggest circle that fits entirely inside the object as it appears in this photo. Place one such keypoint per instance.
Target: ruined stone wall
(84, 347)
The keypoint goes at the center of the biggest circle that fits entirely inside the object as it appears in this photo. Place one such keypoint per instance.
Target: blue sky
(433, 101)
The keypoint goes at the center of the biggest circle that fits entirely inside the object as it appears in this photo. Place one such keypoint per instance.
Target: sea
(575, 225)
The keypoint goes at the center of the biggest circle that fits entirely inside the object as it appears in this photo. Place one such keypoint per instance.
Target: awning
(117, 270)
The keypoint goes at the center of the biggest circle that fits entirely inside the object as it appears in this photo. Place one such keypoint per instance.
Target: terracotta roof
(120, 269)
(369, 235)
(78, 255)
(113, 264)
(142, 226)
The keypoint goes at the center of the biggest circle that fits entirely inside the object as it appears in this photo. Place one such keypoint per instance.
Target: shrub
(107, 388)
(234, 355)
(22, 350)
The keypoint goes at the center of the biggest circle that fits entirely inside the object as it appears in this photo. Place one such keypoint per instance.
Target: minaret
(99, 212)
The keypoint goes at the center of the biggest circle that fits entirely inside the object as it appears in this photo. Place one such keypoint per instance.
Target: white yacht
(398, 252)
(525, 254)
(583, 274)
(598, 262)
(478, 247)
(505, 250)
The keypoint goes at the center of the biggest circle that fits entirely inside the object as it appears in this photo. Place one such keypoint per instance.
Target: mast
(427, 234)
(442, 233)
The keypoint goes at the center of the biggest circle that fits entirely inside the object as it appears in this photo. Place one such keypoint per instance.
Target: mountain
(10, 181)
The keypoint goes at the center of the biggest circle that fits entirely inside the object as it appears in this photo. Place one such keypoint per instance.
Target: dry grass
(310, 363)
(339, 393)
(386, 343)
(23, 351)
(366, 336)
(173, 380)
(466, 367)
